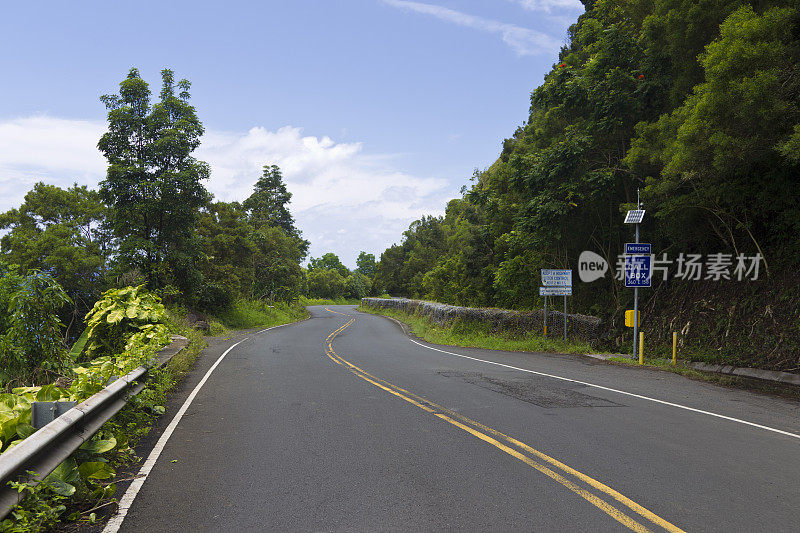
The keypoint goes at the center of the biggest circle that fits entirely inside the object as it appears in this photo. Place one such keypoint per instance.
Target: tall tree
(329, 261)
(366, 264)
(153, 184)
(268, 205)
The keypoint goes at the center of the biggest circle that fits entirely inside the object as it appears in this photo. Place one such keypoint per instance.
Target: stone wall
(579, 327)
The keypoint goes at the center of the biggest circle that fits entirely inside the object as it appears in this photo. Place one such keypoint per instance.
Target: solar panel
(634, 216)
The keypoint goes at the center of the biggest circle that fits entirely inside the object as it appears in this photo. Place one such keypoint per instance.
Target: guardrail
(48, 447)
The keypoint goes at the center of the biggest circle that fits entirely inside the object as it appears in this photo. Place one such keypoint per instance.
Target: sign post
(545, 314)
(556, 283)
(638, 265)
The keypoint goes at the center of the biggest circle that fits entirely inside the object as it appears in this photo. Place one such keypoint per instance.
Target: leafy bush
(122, 319)
(40, 508)
(129, 318)
(213, 297)
(31, 346)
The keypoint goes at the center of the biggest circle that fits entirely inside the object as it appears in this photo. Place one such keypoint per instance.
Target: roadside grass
(477, 335)
(322, 301)
(773, 388)
(246, 314)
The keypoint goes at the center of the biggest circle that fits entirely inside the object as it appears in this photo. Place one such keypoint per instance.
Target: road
(344, 423)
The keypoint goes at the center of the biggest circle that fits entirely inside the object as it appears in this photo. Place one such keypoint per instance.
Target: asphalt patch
(531, 390)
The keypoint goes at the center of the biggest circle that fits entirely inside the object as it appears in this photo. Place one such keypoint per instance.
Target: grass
(477, 335)
(246, 314)
(322, 301)
(774, 388)
(182, 361)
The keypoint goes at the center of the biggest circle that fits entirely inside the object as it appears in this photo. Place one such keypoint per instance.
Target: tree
(153, 184)
(366, 264)
(228, 255)
(725, 176)
(60, 232)
(31, 346)
(329, 261)
(358, 285)
(267, 206)
(277, 273)
(240, 261)
(324, 283)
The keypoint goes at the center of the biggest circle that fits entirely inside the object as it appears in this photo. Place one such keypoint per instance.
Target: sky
(377, 111)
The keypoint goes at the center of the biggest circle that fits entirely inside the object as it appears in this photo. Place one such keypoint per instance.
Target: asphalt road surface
(345, 423)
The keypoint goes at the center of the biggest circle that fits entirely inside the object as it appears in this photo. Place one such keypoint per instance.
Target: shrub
(122, 318)
(31, 342)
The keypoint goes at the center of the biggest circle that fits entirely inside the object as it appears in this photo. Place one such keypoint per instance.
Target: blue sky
(377, 110)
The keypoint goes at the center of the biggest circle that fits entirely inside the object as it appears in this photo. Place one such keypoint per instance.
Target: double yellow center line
(584, 486)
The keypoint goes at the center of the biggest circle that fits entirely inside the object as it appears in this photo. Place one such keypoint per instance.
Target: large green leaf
(6, 414)
(8, 429)
(115, 316)
(95, 470)
(62, 487)
(99, 445)
(66, 472)
(77, 348)
(25, 430)
(48, 393)
(25, 390)
(8, 400)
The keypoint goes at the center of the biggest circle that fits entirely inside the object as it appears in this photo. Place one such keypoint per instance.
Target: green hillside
(697, 104)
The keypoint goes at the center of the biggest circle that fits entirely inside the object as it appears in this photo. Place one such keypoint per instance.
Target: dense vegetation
(152, 221)
(695, 103)
(328, 279)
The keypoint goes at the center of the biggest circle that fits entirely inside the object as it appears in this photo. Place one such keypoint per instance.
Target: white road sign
(555, 291)
(556, 278)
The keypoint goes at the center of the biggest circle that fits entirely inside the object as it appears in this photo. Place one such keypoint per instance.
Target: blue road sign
(638, 270)
(638, 248)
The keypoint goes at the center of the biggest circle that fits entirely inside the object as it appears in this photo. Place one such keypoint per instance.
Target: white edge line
(126, 502)
(663, 402)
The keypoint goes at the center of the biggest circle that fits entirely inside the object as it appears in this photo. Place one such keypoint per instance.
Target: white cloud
(523, 41)
(548, 5)
(344, 200)
(42, 148)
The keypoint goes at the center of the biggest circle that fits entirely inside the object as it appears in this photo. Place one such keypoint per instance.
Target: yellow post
(674, 347)
(641, 347)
